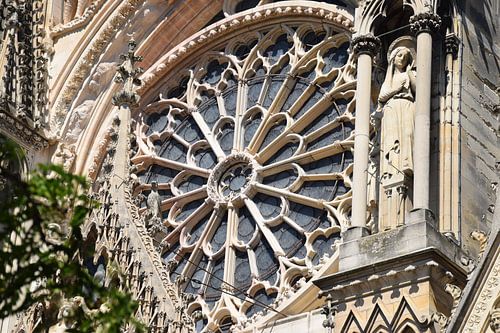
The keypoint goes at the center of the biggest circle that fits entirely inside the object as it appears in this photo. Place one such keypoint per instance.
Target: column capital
(425, 22)
(452, 44)
(366, 44)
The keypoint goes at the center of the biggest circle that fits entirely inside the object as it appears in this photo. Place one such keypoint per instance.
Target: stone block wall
(479, 116)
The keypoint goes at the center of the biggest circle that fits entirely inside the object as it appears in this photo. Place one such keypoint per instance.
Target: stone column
(447, 142)
(365, 47)
(423, 24)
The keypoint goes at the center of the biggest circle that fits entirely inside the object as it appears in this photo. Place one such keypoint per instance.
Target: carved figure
(396, 112)
(154, 205)
(495, 320)
(100, 275)
(456, 294)
(65, 319)
(64, 155)
(397, 99)
(481, 237)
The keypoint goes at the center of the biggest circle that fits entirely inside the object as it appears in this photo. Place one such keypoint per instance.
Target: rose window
(251, 146)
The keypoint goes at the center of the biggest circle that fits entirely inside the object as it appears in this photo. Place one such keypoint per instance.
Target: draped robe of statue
(397, 112)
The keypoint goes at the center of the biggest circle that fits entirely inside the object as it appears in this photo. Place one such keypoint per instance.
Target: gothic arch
(277, 97)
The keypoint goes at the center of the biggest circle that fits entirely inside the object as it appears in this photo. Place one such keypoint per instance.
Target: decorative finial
(128, 74)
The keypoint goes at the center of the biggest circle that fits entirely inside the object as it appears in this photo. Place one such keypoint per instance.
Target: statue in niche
(154, 206)
(396, 112)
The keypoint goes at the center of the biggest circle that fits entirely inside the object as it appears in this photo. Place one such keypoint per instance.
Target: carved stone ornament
(495, 320)
(27, 136)
(481, 237)
(329, 310)
(425, 22)
(81, 70)
(78, 21)
(452, 44)
(128, 75)
(366, 44)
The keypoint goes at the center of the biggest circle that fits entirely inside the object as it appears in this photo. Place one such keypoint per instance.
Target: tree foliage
(41, 216)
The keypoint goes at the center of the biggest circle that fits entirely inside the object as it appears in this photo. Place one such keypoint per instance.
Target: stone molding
(28, 137)
(366, 44)
(425, 22)
(87, 61)
(339, 18)
(486, 296)
(77, 23)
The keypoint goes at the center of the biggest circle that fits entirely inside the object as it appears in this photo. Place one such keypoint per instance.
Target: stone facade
(272, 165)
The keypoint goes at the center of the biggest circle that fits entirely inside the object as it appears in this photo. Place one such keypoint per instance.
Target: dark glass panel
(282, 179)
(210, 112)
(325, 165)
(162, 174)
(289, 239)
(312, 38)
(198, 229)
(251, 128)
(219, 238)
(336, 134)
(192, 183)
(336, 58)
(214, 72)
(242, 273)
(278, 48)
(173, 151)
(316, 96)
(284, 152)
(272, 134)
(267, 264)
(205, 158)
(226, 138)
(272, 91)
(318, 189)
(189, 131)
(269, 206)
(230, 101)
(297, 91)
(262, 298)
(188, 209)
(246, 225)
(214, 284)
(254, 88)
(323, 119)
(323, 245)
(157, 122)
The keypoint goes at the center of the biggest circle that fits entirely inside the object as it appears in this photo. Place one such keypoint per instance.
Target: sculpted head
(401, 57)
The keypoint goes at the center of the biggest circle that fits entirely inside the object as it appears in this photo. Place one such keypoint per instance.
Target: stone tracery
(252, 152)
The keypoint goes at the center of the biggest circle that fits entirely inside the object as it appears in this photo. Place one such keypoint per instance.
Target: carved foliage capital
(425, 22)
(366, 44)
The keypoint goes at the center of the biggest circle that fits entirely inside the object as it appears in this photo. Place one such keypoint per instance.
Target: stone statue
(65, 318)
(397, 100)
(100, 275)
(154, 205)
(396, 113)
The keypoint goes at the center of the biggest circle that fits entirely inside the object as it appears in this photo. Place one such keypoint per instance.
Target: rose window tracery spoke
(252, 154)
